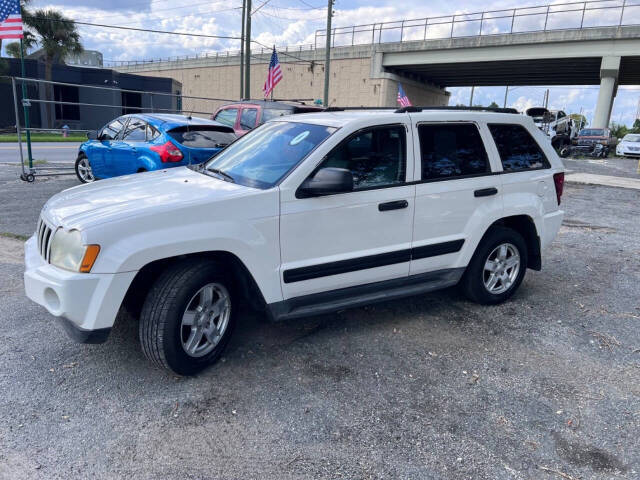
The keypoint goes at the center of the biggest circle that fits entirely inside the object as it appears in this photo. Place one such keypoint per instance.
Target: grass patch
(14, 236)
(43, 137)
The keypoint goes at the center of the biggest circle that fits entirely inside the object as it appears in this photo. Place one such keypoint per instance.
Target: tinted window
(227, 116)
(269, 113)
(266, 154)
(135, 131)
(517, 148)
(202, 136)
(375, 157)
(112, 130)
(451, 150)
(248, 118)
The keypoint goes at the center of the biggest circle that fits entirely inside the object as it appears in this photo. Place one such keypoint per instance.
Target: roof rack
(413, 109)
(455, 108)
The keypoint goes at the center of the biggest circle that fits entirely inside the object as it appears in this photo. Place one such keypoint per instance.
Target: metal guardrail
(561, 16)
(543, 18)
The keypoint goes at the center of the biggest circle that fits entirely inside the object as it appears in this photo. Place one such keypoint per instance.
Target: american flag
(10, 19)
(274, 75)
(402, 97)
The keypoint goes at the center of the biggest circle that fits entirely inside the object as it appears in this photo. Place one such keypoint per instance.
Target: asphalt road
(48, 151)
(431, 387)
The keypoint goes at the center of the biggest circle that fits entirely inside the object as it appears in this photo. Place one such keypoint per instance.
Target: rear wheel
(188, 317)
(497, 267)
(83, 169)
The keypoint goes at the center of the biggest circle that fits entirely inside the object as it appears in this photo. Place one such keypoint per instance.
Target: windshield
(631, 138)
(263, 156)
(592, 132)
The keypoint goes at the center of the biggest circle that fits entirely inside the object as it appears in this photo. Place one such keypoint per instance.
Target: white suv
(307, 214)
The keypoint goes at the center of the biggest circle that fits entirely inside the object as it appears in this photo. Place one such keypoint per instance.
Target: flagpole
(274, 49)
(25, 107)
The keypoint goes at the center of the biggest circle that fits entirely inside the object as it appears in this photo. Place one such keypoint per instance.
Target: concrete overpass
(368, 63)
(608, 56)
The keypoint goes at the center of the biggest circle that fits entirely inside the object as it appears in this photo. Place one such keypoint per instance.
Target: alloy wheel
(501, 268)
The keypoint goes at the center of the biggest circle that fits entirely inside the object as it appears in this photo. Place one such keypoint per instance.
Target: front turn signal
(89, 258)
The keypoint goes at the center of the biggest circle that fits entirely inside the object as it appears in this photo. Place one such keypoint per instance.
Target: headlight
(68, 252)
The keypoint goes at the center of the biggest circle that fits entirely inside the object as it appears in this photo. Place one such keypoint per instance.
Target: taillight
(168, 152)
(558, 180)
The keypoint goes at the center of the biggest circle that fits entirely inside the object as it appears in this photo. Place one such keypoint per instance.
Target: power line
(148, 30)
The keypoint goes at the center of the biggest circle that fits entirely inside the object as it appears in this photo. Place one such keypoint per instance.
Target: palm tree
(13, 48)
(58, 37)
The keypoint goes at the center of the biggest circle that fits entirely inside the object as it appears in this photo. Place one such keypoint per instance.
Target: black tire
(80, 158)
(564, 151)
(473, 280)
(161, 330)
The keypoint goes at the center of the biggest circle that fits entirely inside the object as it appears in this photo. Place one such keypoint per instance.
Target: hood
(121, 197)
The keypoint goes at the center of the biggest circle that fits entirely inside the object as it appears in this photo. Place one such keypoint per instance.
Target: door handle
(396, 205)
(485, 192)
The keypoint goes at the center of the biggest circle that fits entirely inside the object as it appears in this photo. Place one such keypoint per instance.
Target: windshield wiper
(225, 176)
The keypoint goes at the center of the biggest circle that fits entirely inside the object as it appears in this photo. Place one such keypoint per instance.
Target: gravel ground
(431, 387)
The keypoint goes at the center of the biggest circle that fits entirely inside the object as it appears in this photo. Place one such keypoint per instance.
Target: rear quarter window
(517, 148)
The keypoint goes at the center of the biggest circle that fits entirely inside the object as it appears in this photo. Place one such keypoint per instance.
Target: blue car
(144, 142)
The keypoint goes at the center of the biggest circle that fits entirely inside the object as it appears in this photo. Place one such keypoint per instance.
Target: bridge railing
(562, 16)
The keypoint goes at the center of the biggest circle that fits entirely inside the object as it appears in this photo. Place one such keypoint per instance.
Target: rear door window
(248, 118)
(135, 131)
(202, 136)
(452, 150)
(227, 116)
(517, 148)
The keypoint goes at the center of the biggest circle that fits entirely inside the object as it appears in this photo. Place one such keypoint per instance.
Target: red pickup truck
(248, 114)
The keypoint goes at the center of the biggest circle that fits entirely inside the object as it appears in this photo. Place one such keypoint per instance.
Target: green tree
(579, 120)
(618, 130)
(13, 48)
(636, 126)
(494, 105)
(58, 37)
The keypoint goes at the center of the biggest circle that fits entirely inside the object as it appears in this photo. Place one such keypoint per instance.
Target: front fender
(250, 231)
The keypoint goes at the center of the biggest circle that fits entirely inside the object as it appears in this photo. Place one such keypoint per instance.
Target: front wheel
(496, 268)
(564, 151)
(83, 169)
(188, 316)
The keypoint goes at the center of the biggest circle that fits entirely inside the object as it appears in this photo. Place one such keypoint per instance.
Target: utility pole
(506, 93)
(244, 14)
(546, 98)
(327, 53)
(471, 98)
(247, 53)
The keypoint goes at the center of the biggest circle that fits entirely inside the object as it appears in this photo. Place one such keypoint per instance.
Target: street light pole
(506, 93)
(327, 53)
(247, 53)
(244, 10)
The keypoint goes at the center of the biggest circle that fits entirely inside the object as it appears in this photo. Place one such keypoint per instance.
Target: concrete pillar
(609, 69)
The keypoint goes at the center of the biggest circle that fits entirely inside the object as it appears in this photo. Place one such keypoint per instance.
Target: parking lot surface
(546, 385)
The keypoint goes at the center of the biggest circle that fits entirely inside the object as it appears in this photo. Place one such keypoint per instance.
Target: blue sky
(293, 22)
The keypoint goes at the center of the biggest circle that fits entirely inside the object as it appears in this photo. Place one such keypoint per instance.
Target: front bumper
(87, 303)
(625, 152)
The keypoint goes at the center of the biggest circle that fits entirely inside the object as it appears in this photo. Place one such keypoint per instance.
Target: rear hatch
(200, 142)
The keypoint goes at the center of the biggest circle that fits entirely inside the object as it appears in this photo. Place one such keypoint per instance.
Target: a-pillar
(609, 69)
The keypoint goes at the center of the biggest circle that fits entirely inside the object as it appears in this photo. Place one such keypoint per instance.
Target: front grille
(44, 235)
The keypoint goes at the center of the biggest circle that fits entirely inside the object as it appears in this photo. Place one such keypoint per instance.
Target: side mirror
(326, 181)
(92, 134)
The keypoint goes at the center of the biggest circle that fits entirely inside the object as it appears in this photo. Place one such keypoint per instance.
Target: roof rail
(342, 109)
(413, 109)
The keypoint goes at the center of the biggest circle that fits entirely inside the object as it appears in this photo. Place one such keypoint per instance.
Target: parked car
(248, 114)
(305, 215)
(629, 146)
(151, 141)
(588, 138)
